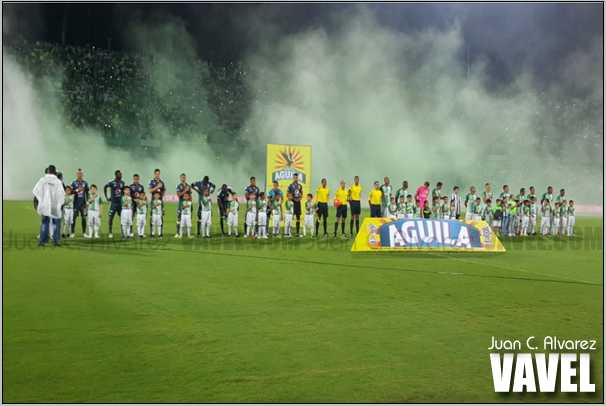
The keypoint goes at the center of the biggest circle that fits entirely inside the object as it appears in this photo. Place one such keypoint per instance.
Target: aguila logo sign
(417, 233)
(288, 162)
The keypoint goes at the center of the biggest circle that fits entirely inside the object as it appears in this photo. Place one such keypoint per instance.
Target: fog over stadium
(459, 93)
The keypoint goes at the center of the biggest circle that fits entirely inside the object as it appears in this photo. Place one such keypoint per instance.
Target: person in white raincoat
(51, 195)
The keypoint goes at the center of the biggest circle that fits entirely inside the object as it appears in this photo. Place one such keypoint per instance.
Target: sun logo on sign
(372, 231)
(487, 233)
(289, 158)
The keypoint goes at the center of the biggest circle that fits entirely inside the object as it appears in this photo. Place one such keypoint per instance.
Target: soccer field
(301, 320)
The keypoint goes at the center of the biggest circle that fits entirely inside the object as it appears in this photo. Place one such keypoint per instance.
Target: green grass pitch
(298, 321)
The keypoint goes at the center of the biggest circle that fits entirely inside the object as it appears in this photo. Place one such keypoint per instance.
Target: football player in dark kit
(80, 191)
(199, 187)
(183, 189)
(296, 190)
(135, 189)
(250, 190)
(222, 202)
(157, 185)
(116, 187)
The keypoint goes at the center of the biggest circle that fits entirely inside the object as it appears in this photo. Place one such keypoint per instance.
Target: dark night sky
(508, 34)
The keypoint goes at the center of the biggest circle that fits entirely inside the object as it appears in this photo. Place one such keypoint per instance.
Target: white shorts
(232, 219)
(392, 216)
(141, 219)
(251, 218)
(68, 216)
(262, 219)
(93, 218)
(556, 224)
(384, 211)
(277, 219)
(185, 220)
(206, 216)
(446, 217)
(126, 217)
(156, 219)
(476, 217)
(288, 219)
(468, 215)
(401, 216)
(309, 220)
(496, 223)
(410, 215)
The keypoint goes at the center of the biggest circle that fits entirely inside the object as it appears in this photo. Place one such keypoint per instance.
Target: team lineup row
(510, 215)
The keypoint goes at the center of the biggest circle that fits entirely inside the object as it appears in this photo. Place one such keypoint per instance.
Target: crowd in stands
(123, 95)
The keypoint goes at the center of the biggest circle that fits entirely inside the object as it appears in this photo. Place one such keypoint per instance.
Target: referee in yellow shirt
(374, 200)
(355, 194)
(342, 194)
(322, 196)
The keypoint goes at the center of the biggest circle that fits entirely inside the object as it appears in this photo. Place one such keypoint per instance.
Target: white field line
(513, 269)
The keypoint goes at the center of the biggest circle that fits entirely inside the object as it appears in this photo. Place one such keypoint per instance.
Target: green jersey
(453, 212)
(533, 209)
(142, 206)
(393, 209)
(276, 208)
(513, 208)
(401, 192)
(436, 193)
(186, 207)
(207, 204)
(520, 199)
(386, 194)
(94, 205)
(416, 211)
(158, 208)
(469, 200)
(548, 197)
(486, 195)
(435, 211)
(488, 214)
(445, 209)
(530, 196)
(471, 207)
(410, 207)
(570, 211)
(545, 210)
(261, 205)
(401, 208)
(233, 206)
(127, 202)
(251, 206)
(525, 210)
(563, 212)
(561, 199)
(556, 213)
(504, 195)
(290, 207)
(309, 208)
(69, 202)
(477, 209)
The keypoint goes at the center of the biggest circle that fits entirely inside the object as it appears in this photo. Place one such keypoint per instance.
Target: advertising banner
(385, 234)
(283, 161)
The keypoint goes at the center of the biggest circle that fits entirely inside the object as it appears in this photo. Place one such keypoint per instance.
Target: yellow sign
(385, 234)
(283, 161)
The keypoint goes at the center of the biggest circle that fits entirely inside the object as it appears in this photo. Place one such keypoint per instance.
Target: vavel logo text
(568, 366)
